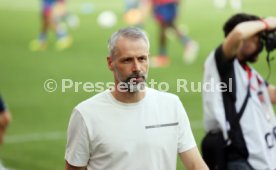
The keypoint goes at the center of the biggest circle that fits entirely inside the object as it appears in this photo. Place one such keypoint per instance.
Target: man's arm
(77, 148)
(193, 160)
(5, 119)
(241, 32)
(70, 167)
(272, 93)
(244, 31)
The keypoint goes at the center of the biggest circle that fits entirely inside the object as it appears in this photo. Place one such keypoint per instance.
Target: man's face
(250, 49)
(130, 63)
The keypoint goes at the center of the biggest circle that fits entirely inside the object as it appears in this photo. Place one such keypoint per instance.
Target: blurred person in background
(136, 12)
(165, 13)
(239, 117)
(52, 17)
(235, 4)
(5, 119)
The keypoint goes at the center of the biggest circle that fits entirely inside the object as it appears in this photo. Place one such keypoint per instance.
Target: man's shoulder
(93, 101)
(212, 55)
(162, 95)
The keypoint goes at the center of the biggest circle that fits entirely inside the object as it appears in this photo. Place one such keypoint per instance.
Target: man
(130, 127)
(243, 112)
(165, 12)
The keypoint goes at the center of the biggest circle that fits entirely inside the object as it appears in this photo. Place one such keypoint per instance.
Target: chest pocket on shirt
(162, 134)
(161, 125)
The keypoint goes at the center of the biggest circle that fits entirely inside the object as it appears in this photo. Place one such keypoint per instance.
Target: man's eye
(142, 58)
(127, 60)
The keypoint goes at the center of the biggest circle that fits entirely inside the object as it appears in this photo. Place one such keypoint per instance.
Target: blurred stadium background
(37, 136)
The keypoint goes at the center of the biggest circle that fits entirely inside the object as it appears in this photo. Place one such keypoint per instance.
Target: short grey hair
(128, 32)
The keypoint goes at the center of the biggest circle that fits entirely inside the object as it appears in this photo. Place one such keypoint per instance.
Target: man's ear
(109, 60)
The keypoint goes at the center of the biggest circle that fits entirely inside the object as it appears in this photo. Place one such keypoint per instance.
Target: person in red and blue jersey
(165, 13)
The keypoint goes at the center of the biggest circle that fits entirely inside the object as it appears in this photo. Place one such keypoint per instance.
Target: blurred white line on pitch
(32, 137)
(35, 137)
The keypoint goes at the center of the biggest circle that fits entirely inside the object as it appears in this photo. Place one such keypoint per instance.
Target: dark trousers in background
(238, 165)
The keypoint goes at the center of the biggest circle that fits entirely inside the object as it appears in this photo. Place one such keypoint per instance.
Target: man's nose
(136, 66)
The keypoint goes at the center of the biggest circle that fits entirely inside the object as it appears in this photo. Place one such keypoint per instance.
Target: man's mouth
(137, 79)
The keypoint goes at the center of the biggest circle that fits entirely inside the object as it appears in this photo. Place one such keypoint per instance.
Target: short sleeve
(77, 148)
(186, 139)
(224, 66)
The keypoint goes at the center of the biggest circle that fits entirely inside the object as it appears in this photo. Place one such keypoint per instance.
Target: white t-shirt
(258, 122)
(105, 134)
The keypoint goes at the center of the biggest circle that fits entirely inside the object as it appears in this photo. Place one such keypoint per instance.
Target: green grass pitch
(37, 136)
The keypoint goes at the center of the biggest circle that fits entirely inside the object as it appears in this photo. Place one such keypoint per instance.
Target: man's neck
(128, 97)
